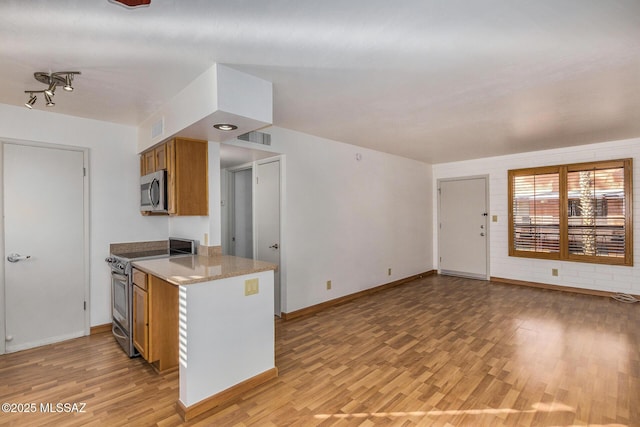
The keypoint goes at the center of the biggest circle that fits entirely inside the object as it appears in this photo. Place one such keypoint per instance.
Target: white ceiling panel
(432, 80)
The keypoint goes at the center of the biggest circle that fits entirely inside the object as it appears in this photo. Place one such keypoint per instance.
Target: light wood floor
(438, 351)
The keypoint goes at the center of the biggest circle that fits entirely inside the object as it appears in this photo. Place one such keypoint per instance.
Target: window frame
(563, 253)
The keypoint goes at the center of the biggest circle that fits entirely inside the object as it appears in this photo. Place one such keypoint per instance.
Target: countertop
(189, 269)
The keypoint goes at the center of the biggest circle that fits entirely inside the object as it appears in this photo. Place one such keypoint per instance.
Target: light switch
(494, 218)
(251, 287)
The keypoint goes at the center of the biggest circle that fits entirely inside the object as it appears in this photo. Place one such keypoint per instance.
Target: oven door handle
(121, 277)
(113, 330)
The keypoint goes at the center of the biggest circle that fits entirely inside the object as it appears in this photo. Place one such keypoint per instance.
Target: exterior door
(44, 220)
(267, 220)
(463, 233)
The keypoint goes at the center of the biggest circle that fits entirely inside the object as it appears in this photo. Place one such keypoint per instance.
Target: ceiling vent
(256, 137)
(157, 128)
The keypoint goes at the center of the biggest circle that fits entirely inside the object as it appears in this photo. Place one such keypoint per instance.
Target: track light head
(67, 83)
(32, 100)
(52, 89)
(47, 98)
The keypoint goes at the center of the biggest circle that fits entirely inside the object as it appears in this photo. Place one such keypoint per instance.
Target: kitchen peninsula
(226, 325)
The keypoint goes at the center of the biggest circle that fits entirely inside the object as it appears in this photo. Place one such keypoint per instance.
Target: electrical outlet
(389, 272)
(554, 272)
(328, 284)
(251, 287)
(494, 218)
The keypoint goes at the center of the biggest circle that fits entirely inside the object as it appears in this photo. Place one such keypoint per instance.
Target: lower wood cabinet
(141, 321)
(155, 318)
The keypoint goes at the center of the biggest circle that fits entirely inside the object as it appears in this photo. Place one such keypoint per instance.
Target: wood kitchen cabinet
(147, 162)
(140, 313)
(155, 318)
(154, 159)
(160, 156)
(187, 174)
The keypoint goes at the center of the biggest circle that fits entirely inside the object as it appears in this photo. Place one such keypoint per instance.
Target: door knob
(482, 234)
(17, 257)
(274, 246)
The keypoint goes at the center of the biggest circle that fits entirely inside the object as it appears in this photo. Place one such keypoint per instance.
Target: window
(579, 212)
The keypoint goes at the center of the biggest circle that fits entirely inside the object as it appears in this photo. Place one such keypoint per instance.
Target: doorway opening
(240, 208)
(252, 194)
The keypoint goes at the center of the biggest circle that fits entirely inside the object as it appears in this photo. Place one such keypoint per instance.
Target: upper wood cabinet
(186, 163)
(160, 155)
(147, 163)
(154, 159)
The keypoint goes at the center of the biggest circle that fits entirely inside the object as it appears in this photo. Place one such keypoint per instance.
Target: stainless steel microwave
(153, 192)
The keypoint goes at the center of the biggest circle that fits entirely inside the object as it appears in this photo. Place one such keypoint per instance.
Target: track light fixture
(52, 80)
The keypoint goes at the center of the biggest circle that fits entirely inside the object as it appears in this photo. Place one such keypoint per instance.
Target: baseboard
(552, 287)
(98, 329)
(337, 301)
(217, 401)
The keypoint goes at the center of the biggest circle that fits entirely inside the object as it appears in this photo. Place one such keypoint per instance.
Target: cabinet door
(190, 177)
(149, 161)
(141, 321)
(160, 153)
(163, 324)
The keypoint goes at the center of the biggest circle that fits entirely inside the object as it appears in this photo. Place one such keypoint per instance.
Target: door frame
(488, 210)
(86, 231)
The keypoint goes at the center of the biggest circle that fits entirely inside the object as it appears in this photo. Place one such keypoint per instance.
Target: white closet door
(44, 220)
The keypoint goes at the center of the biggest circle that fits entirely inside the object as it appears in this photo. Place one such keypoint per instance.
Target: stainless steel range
(122, 287)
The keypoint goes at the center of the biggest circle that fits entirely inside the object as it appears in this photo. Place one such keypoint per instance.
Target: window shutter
(596, 210)
(536, 213)
(577, 212)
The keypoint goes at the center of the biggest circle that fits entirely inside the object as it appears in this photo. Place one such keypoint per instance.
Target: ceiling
(432, 80)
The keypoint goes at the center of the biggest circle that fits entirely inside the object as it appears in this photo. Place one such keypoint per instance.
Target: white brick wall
(574, 274)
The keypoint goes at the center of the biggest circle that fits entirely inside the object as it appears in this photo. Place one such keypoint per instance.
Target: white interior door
(44, 220)
(267, 220)
(242, 214)
(463, 233)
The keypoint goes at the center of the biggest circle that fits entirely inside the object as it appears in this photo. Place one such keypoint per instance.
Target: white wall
(574, 274)
(348, 221)
(114, 179)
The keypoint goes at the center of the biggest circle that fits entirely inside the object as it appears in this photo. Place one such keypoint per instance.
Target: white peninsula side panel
(226, 337)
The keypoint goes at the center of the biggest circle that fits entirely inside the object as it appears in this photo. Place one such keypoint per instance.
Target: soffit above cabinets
(219, 95)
